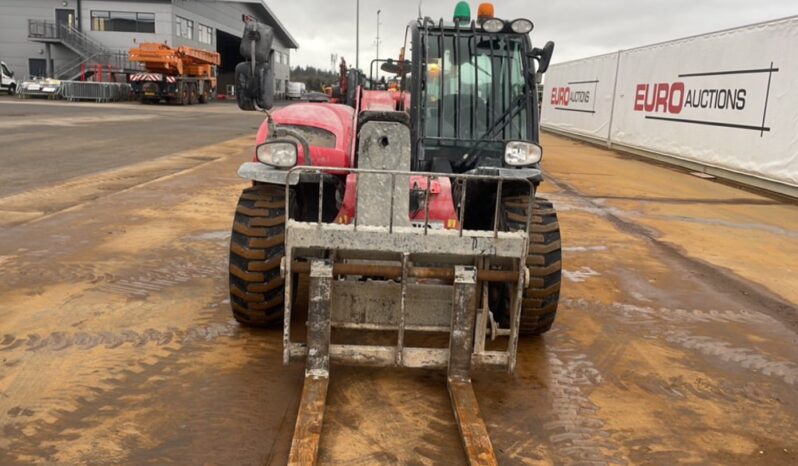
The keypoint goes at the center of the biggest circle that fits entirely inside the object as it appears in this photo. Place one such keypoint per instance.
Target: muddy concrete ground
(45, 142)
(676, 340)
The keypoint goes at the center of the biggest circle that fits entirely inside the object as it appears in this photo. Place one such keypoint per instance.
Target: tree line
(313, 77)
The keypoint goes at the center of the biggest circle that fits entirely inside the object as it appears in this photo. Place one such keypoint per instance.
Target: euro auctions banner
(577, 96)
(727, 99)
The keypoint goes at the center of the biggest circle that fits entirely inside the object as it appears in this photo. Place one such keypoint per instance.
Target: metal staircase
(90, 52)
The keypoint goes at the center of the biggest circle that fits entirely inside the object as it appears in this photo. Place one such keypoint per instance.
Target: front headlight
(277, 153)
(521, 26)
(493, 25)
(521, 153)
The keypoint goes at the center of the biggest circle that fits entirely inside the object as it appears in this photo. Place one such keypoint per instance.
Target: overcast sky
(580, 28)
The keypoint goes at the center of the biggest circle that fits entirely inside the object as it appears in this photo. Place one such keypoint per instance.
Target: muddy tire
(544, 260)
(256, 250)
(204, 97)
(194, 97)
(185, 96)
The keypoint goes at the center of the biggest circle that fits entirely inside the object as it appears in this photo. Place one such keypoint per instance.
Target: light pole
(378, 43)
(357, 34)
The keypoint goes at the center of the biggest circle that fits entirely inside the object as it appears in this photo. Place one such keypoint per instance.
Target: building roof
(279, 29)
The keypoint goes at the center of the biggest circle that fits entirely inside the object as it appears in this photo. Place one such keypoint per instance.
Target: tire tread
(257, 247)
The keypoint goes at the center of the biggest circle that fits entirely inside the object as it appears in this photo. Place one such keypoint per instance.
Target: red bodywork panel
(441, 206)
(405, 98)
(384, 101)
(340, 120)
(335, 118)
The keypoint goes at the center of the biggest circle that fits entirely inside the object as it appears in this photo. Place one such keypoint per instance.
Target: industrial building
(68, 39)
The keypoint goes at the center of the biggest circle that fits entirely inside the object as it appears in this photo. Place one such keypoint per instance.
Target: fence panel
(98, 92)
(577, 96)
(725, 100)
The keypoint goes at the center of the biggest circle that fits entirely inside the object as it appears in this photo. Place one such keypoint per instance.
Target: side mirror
(543, 56)
(254, 78)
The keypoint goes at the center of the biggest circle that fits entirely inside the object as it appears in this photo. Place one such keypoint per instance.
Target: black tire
(256, 250)
(185, 95)
(204, 96)
(544, 261)
(193, 96)
(12, 89)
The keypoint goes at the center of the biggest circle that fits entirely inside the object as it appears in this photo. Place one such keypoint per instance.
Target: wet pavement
(45, 142)
(676, 341)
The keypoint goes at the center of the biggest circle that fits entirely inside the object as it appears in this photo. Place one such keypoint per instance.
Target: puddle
(212, 236)
(584, 248)
(580, 275)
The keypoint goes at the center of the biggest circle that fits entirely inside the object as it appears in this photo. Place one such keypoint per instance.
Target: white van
(295, 90)
(7, 81)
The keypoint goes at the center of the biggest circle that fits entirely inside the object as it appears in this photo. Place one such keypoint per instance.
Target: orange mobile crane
(184, 75)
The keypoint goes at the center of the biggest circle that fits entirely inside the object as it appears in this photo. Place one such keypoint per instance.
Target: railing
(459, 183)
(90, 51)
(70, 67)
(40, 29)
(81, 42)
(116, 61)
(97, 92)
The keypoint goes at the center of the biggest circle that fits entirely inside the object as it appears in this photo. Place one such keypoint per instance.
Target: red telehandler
(413, 212)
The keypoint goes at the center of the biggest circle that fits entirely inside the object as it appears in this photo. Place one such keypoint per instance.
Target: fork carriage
(385, 273)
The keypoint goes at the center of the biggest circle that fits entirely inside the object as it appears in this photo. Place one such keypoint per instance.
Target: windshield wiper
(499, 124)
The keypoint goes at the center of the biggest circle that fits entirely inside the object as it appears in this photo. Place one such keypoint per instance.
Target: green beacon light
(462, 12)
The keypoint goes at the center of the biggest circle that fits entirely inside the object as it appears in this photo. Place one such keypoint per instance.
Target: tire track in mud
(154, 281)
(747, 293)
(576, 432)
(634, 314)
(560, 424)
(23, 273)
(650, 320)
(158, 274)
(743, 357)
(119, 418)
(59, 341)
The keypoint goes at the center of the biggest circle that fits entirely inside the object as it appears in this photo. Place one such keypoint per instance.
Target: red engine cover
(378, 101)
(335, 118)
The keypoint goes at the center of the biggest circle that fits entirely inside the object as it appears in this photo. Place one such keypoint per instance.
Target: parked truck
(295, 90)
(184, 75)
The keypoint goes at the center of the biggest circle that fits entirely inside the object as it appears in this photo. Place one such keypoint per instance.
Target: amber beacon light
(485, 11)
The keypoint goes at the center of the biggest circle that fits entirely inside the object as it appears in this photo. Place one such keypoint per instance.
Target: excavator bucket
(389, 272)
